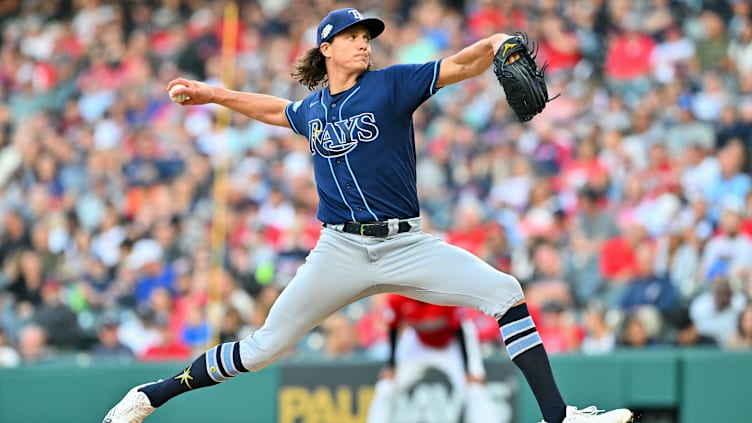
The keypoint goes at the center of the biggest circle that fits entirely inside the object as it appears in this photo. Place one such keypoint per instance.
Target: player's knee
(510, 279)
(511, 283)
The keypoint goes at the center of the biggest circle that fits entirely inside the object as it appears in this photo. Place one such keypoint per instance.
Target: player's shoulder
(306, 102)
(403, 72)
(402, 67)
(375, 75)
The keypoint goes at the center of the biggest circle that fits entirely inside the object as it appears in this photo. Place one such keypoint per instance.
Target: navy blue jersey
(363, 143)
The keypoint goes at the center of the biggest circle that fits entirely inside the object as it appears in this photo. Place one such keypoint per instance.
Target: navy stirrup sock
(212, 367)
(526, 350)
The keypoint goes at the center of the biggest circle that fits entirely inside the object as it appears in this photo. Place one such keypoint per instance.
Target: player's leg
(322, 285)
(380, 409)
(387, 388)
(413, 360)
(480, 407)
(430, 270)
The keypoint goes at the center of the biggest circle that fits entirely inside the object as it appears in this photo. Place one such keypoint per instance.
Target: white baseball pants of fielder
(413, 358)
(343, 268)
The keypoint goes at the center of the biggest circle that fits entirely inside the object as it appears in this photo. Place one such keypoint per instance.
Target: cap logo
(326, 31)
(355, 14)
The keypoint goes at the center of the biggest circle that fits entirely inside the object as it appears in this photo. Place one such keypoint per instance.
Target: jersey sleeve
(412, 84)
(296, 115)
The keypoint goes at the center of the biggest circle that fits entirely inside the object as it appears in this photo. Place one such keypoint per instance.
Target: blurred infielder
(423, 335)
(360, 131)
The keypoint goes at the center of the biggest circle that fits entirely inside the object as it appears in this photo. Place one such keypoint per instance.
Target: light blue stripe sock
(518, 326)
(523, 344)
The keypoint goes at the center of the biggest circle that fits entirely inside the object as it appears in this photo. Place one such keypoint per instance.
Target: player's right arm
(261, 107)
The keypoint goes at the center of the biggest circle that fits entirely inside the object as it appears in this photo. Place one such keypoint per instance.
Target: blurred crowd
(132, 228)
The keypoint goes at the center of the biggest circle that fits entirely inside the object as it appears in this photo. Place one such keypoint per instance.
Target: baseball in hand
(178, 98)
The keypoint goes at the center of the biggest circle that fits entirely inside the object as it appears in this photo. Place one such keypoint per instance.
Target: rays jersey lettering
(363, 145)
(334, 139)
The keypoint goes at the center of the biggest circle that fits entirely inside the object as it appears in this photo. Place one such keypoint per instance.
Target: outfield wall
(685, 386)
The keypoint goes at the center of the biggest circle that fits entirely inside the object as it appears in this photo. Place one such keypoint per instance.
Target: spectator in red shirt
(469, 231)
(558, 47)
(585, 168)
(169, 346)
(557, 329)
(618, 263)
(490, 16)
(628, 63)
(629, 54)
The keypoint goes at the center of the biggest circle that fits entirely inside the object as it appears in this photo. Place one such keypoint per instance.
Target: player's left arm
(470, 61)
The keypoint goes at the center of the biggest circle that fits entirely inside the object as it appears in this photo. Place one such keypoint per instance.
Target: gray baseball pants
(344, 268)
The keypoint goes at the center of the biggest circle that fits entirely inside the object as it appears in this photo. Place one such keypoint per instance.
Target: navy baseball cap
(341, 19)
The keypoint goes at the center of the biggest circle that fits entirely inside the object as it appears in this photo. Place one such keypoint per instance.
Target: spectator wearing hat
(146, 259)
(108, 346)
(168, 346)
(557, 328)
(686, 333)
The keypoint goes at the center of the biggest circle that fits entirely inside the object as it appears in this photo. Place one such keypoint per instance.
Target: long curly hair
(310, 69)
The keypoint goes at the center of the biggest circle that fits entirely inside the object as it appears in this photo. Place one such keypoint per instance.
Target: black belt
(375, 229)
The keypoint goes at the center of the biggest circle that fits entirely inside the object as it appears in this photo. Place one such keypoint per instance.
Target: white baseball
(178, 98)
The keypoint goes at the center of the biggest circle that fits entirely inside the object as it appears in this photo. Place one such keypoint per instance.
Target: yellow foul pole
(219, 215)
